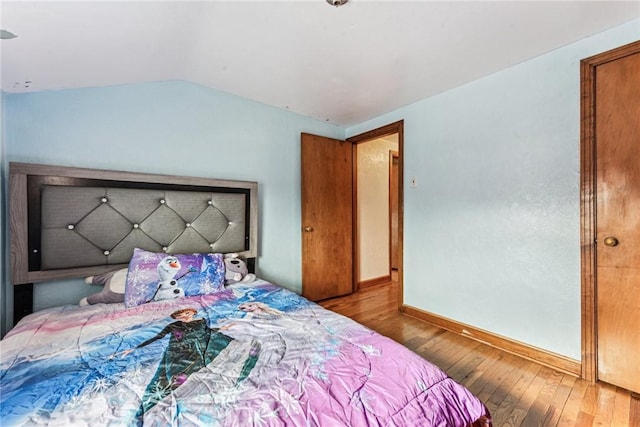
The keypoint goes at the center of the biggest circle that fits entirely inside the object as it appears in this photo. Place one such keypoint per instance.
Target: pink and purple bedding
(249, 355)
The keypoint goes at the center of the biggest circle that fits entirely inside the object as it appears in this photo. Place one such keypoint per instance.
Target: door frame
(588, 222)
(390, 129)
(393, 154)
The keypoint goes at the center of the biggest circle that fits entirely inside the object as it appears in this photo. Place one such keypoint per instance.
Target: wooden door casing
(327, 217)
(610, 202)
(393, 209)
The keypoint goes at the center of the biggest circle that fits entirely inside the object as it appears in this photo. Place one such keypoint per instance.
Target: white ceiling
(343, 65)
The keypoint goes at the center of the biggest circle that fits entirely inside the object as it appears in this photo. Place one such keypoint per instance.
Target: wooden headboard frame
(26, 181)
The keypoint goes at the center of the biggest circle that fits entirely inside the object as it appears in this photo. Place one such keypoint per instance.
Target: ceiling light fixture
(6, 35)
(337, 3)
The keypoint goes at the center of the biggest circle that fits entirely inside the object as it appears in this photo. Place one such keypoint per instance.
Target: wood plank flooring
(516, 391)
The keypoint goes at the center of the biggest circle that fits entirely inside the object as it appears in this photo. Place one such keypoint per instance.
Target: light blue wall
(175, 128)
(492, 229)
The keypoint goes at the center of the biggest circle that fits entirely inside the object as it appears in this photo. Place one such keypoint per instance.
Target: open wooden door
(327, 217)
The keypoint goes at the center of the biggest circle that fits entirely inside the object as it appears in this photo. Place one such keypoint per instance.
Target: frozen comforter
(251, 355)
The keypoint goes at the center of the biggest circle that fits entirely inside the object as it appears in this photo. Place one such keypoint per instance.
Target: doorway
(378, 205)
(329, 175)
(372, 209)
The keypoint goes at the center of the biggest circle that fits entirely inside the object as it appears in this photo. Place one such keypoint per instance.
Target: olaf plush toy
(168, 286)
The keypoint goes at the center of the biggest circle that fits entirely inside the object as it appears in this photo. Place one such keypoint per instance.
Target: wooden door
(327, 217)
(617, 154)
(393, 209)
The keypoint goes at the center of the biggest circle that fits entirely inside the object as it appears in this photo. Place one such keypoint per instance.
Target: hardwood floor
(516, 391)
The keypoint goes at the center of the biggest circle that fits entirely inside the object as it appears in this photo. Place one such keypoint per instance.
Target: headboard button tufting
(106, 214)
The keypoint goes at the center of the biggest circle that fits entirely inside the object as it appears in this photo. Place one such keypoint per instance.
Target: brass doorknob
(308, 229)
(611, 241)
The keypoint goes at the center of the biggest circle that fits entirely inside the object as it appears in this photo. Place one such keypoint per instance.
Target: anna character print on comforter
(192, 346)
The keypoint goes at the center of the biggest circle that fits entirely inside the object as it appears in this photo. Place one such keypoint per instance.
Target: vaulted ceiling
(340, 64)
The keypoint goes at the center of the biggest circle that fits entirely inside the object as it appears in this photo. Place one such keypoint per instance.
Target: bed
(222, 353)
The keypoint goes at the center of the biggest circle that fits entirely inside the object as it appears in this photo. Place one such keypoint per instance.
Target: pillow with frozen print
(154, 276)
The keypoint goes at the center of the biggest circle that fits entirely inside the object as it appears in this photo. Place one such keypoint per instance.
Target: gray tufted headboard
(73, 222)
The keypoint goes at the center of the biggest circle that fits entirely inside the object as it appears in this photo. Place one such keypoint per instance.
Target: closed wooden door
(327, 217)
(617, 141)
